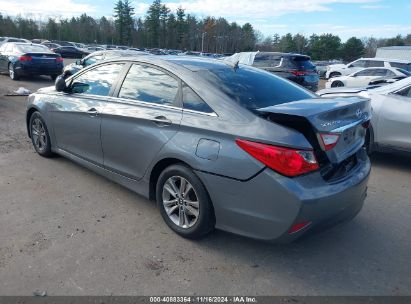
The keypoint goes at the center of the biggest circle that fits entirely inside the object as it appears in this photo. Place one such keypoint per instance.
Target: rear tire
(12, 72)
(337, 84)
(368, 143)
(184, 202)
(40, 135)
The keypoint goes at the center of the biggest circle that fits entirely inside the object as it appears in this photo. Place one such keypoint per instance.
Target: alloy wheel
(181, 202)
(38, 132)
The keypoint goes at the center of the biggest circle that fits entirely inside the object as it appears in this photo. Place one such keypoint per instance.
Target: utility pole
(202, 41)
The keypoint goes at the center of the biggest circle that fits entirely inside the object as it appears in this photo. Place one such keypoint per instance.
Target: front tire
(337, 84)
(184, 202)
(39, 135)
(12, 72)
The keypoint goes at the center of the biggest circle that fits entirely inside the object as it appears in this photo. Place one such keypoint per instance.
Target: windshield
(253, 88)
(32, 48)
(303, 63)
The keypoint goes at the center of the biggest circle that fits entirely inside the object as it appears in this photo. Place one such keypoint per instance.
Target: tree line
(163, 28)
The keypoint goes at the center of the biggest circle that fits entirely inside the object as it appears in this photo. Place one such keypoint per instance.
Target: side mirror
(79, 62)
(60, 84)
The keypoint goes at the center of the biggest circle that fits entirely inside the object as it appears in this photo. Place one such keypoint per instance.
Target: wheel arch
(156, 171)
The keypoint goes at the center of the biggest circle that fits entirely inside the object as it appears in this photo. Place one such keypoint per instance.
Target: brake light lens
(59, 59)
(286, 161)
(329, 140)
(25, 58)
(298, 73)
(297, 227)
(366, 124)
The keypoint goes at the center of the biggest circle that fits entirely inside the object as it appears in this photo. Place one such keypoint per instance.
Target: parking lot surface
(68, 231)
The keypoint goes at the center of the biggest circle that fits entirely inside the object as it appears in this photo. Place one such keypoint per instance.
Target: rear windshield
(302, 63)
(255, 89)
(32, 48)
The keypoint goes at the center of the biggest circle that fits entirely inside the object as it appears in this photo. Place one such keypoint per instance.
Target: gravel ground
(67, 231)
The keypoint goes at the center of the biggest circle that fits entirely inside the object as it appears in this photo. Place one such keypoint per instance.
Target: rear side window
(193, 102)
(254, 88)
(2, 38)
(147, 84)
(267, 60)
(97, 81)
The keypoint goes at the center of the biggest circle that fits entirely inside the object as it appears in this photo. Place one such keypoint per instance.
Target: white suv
(346, 69)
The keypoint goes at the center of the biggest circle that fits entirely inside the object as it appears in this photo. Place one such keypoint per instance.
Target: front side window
(358, 64)
(374, 63)
(364, 73)
(193, 102)
(405, 92)
(97, 81)
(147, 84)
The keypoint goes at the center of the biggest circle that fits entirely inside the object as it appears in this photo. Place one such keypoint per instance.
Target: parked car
(94, 48)
(365, 76)
(63, 43)
(95, 57)
(25, 59)
(335, 70)
(239, 149)
(295, 67)
(4, 40)
(391, 114)
(51, 45)
(70, 52)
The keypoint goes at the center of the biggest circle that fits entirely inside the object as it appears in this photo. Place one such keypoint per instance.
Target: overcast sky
(377, 18)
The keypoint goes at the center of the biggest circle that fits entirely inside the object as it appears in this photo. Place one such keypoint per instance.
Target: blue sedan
(25, 59)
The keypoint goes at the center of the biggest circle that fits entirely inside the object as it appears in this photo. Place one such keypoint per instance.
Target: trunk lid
(42, 58)
(313, 117)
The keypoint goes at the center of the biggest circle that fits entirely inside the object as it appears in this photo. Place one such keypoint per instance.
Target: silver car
(216, 145)
(391, 114)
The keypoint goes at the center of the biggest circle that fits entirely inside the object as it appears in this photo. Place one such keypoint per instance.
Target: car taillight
(299, 226)
(59, 59)
(329, 140)
(25, 58)
(298, 73)
(366, 124)
(286, 161)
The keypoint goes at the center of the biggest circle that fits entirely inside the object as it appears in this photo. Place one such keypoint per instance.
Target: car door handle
(161, 121)
(93, 112)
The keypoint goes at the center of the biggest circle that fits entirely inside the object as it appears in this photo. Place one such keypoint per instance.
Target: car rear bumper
(39, 69)
(268, 205)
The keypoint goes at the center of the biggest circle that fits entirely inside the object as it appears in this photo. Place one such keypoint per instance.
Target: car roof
(386, 59)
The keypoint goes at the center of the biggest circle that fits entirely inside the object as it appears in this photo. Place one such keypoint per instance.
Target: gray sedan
(215, 145)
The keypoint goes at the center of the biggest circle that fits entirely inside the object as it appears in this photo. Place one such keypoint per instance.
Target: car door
(361, 78)
(394, 123)
(76, 115)
(143, 118)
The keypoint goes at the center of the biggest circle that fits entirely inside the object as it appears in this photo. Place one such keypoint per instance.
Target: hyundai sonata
(216, 145)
